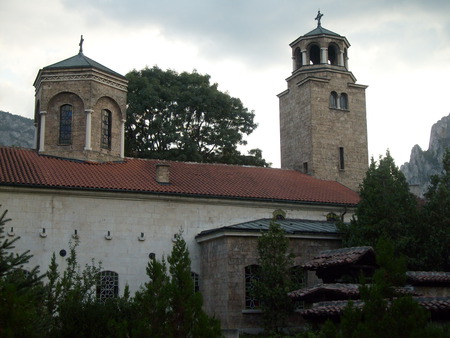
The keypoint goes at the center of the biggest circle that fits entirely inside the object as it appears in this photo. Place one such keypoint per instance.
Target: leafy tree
(387, 209)
(183, 117)
(21, 296)
(275, 279)
(170, 306)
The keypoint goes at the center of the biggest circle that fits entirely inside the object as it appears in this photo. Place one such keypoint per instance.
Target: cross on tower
(318, 17)
(81, 44)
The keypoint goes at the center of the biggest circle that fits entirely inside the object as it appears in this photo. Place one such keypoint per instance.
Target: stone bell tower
(80, 108)
(323, 126)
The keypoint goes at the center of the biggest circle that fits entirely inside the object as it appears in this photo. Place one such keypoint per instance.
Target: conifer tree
(275, 280)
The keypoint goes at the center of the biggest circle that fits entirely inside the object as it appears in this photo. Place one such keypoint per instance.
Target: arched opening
(333, 99)
(332, 55)
(298, 58)
(65, 124)
(314, 54)
(343, 101)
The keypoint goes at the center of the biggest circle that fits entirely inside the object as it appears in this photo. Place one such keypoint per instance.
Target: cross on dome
(318, 17)
(81, 44)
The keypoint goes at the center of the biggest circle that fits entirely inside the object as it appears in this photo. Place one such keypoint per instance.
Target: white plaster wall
(93, 214)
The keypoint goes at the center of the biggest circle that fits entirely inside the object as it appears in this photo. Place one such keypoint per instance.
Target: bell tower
(80, 108)
(323, 125)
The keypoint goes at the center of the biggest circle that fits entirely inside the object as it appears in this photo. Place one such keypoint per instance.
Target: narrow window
(305, 167)
(314, 55)
(333, 100)
(251, 275)
(108, 285)
(106, 129)
(341, 158)
(65, 124)
(343, 100)
(195, 278)
(332, 55)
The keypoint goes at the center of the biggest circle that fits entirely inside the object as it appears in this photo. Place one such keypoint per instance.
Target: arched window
(343, 101)
(333, 100)
(332, 55)
(314, 55)
(298, 58)
(65, 124)
(108, 285)
(106, 129)
(195, 278)
(251, 275)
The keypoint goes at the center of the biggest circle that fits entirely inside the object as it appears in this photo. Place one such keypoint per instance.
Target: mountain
(423, 164)
(16, 131)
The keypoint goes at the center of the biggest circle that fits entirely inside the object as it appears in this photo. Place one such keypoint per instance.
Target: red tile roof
(24, 167)
(428, 277)
(338, 257)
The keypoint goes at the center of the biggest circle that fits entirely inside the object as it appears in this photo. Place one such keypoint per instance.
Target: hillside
(16, 131)
(423, 164)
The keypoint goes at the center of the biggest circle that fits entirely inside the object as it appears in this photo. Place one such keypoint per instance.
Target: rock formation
(16, 131)
(423, 164)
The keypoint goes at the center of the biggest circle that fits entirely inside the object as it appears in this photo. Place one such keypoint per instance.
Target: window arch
(65, 124)
(332, 55)
(108, 285)
(314, 54)
(343, 101)
(333, 100)
(195, 279)
(252, 273)
(106, 129)
(298, 58)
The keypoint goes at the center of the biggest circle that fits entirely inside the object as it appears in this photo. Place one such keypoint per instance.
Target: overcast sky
(400, 49)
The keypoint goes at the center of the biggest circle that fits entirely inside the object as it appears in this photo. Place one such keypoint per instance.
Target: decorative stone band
(82, 77)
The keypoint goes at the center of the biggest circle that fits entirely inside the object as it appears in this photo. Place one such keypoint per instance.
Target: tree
(274, 281)
(387, 209)
(21, 296)
(183, 117)
(170, 305)
(433, 233)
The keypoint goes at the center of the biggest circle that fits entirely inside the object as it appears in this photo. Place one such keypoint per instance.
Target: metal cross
(318, 17)
(81, 44)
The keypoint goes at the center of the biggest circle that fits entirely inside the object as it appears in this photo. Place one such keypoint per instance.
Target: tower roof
(81, 61)
(319, 30)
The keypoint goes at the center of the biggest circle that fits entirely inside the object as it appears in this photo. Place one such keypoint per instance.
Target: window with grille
(252, 273)
(195, 278)
(108, 285)
(106, 129)
(65, 124)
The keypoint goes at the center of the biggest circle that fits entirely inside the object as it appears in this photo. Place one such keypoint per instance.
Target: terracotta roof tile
(337, 257)
(428, 277)
(24, 167)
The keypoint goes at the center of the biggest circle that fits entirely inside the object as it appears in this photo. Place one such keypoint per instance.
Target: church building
(78, 185)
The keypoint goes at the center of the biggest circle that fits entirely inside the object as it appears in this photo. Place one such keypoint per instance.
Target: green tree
(433, 234)
(169, 304)
(21, 296)
(387, 209)
(183, 117)
(274, 281)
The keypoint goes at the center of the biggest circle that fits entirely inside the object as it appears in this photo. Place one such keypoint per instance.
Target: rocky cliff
(423, 164)
(16, 131)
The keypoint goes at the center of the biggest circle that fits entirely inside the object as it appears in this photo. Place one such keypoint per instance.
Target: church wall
(125, 216)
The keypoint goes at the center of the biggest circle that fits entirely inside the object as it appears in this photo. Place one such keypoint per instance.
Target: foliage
(274, 281)
(21, 296)
(183, 117)
(170, 303)
(382, 314)
(433, 234)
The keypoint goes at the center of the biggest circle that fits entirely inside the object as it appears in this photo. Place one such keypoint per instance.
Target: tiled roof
(324, 310)
(337, 257)
(428, 277)
(334, 290)
(290, 226)
(319, 30)
(24, 167)
(339, 291)
(81, 61)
